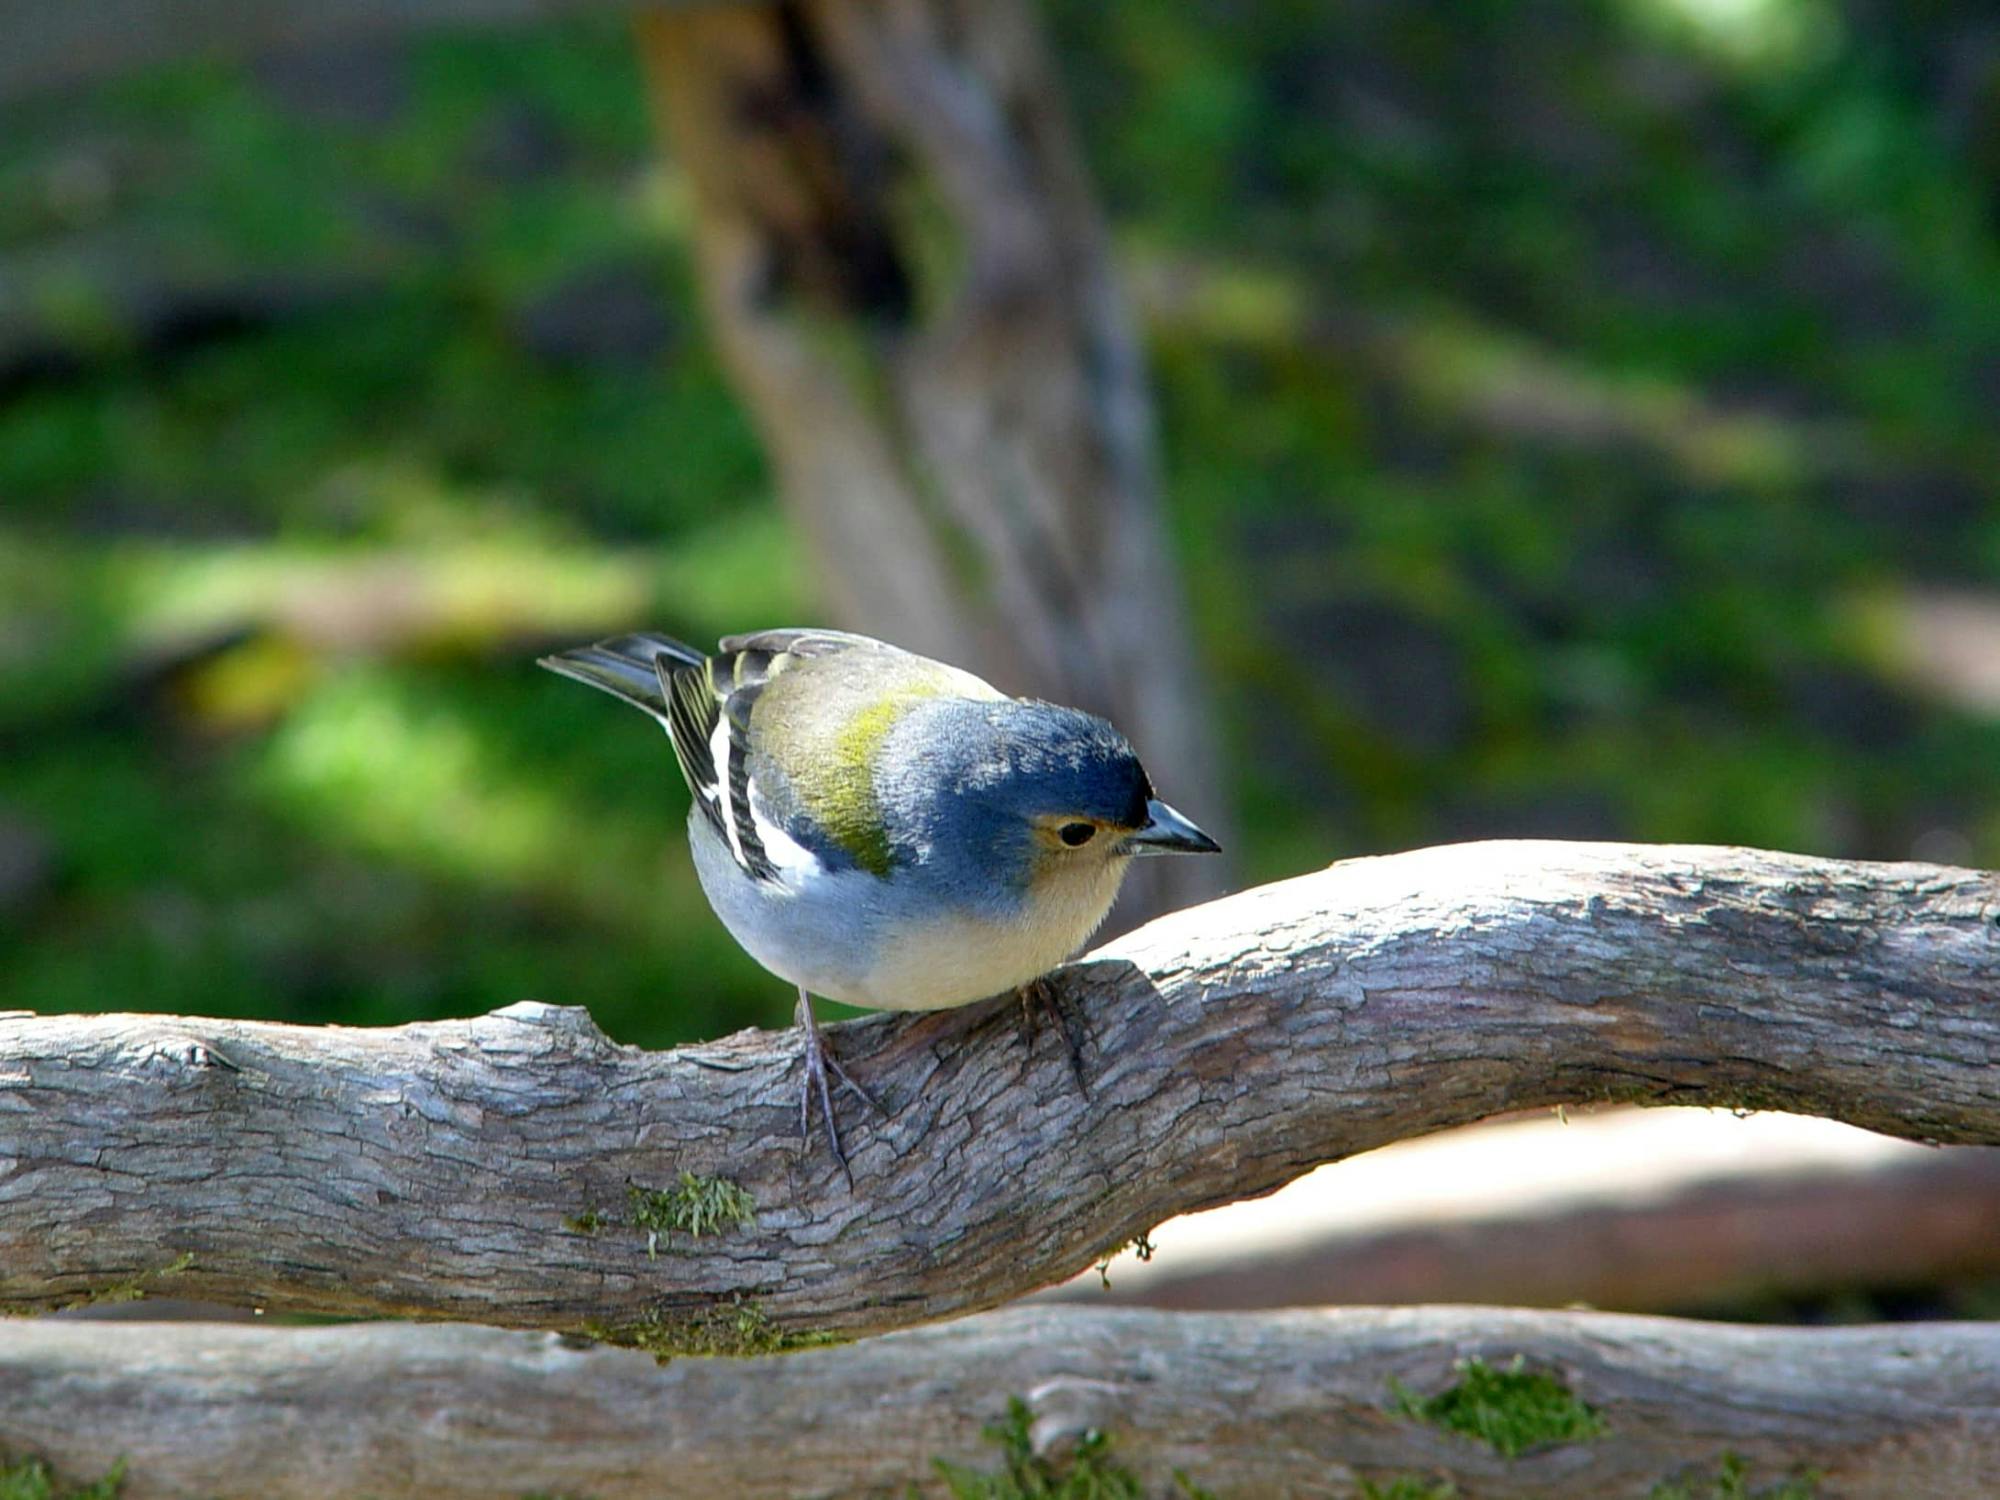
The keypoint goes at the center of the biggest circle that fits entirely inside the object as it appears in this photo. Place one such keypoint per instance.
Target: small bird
(883, 829)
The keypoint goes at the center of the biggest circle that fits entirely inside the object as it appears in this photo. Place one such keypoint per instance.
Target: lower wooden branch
(1297, 1403)
(1622, 1210)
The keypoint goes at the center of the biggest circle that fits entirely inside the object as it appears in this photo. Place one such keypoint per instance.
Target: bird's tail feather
(624, 667)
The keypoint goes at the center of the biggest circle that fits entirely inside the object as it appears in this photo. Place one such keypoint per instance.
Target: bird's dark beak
(1167, 832)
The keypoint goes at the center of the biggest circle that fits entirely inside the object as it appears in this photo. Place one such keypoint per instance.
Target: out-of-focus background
(1577, 418)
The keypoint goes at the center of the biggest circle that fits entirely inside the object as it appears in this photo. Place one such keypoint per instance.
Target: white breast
(854, 938)
(957, 958)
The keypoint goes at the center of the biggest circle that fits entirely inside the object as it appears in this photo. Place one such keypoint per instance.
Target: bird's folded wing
(708, 716)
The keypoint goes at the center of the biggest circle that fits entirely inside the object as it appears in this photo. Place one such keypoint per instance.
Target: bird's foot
(820, 1061)
(1041, 1000)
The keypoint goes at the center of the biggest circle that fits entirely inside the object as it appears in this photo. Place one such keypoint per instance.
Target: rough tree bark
(481, 1169)
(1298, 1404)
(909, 278)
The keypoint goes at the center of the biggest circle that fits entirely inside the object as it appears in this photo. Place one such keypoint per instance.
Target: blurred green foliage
(31, 1479)
(1562, 398)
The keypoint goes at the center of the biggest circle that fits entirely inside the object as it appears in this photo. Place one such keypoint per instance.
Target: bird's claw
(820, 1061)
(1040, 995)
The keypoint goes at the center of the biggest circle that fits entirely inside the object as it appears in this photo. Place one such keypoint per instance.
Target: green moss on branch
(1408, 1487)
(1510, 1410)
(693, 1206)
(735, 1327)
(1732, 1482)
(1088, 1474)
(132, 1289)
(31, 1479)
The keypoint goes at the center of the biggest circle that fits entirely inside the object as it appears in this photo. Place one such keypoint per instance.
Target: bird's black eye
(1076, 835)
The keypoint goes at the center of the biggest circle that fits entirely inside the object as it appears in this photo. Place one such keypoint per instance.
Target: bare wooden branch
(479, 1169)
(1249, 1404)
(1910, 1220)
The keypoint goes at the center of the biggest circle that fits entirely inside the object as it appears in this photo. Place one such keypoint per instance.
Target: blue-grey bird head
(1007, 792)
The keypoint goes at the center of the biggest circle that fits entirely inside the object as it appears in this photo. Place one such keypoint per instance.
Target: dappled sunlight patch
(248, 627)
(1527, 391)
(1943, 642)
(466, 582)
(367, 760)
(390, 598)
(1755, 35)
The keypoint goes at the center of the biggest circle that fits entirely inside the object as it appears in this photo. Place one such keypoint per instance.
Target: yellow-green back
(831, 714)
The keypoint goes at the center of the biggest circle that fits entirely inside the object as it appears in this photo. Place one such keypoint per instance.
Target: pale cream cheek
(962, 959)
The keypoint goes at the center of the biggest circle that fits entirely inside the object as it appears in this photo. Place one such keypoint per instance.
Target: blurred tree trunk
(910, 280)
